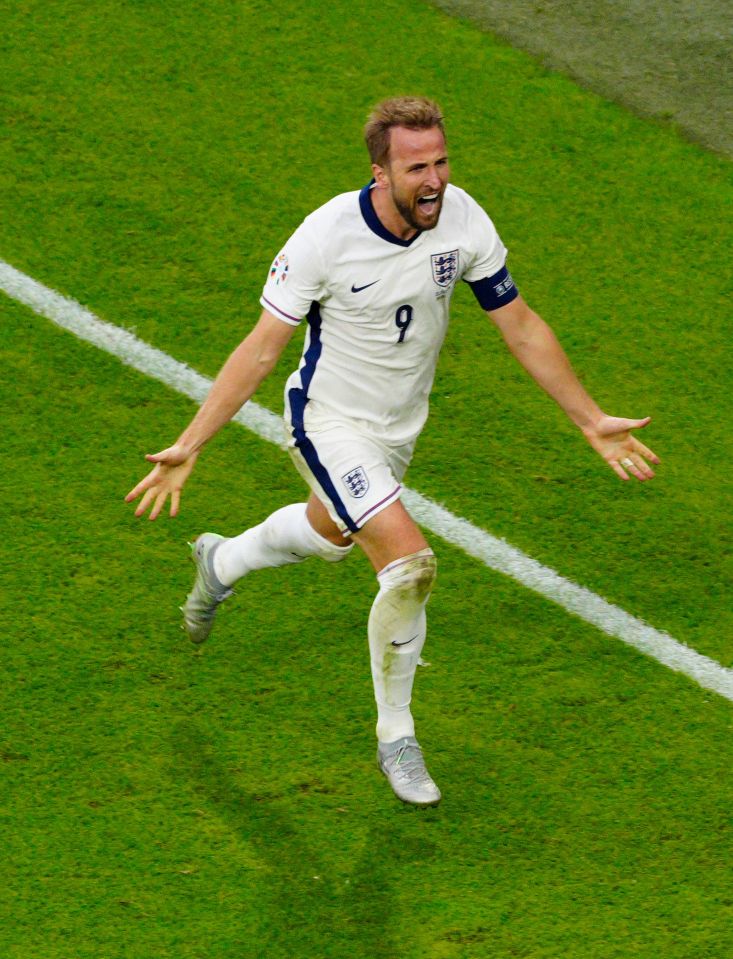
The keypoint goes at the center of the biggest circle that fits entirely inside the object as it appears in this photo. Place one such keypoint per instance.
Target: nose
(434, 179)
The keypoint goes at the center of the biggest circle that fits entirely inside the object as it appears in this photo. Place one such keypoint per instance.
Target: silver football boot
(203, 601)
(403, 765)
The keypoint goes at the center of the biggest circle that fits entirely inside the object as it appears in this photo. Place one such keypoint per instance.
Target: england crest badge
(445, 267)
(356, 482)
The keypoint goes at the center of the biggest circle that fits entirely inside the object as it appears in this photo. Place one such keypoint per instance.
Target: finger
(619, 470)
(640, 424)
(647, 453)
(137, 490)
(145, 502)
(642, 470)
(616, 425)
(623, 425)
(637, 467)
(158, 505)
(644, 454)
(175, 502)
(160, 457)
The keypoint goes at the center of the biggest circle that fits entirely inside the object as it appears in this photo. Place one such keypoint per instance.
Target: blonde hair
(414, 113)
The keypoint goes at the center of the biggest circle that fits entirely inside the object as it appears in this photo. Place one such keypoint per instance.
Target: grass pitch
(162, 800)
(669, 61)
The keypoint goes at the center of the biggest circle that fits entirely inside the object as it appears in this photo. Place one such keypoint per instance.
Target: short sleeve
(486, 273)
(488, 252)
(295, 279)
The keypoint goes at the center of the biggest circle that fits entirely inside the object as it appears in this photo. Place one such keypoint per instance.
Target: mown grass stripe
(493, 552)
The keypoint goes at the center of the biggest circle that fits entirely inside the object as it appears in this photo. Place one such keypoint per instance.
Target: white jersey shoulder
(377, 306)
(298, 274)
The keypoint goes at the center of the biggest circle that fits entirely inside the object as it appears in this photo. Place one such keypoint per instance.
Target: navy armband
(494, 291)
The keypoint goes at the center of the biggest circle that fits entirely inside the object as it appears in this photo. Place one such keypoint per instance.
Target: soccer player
(372, 273)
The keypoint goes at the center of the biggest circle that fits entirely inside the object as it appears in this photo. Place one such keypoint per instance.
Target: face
(416, 175)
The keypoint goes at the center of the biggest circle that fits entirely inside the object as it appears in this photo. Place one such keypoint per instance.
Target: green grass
(169, 801)
(155, 164)
(162, 800)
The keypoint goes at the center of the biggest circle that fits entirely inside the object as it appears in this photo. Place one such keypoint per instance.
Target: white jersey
(377, 306)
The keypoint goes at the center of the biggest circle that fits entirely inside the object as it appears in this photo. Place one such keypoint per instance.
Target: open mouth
(430, 203)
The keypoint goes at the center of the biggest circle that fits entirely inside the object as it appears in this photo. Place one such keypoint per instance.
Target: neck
(389, 216)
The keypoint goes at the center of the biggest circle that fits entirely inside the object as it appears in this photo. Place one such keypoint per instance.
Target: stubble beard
(408, 214)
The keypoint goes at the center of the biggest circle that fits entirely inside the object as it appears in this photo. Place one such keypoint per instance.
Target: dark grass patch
(668, 61)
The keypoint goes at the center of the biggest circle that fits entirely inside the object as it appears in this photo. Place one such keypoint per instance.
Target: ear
(381, 177)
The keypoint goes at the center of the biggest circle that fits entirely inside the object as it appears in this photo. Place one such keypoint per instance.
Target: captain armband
(495, 291)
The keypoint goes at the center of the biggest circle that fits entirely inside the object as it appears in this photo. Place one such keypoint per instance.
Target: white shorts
(352, 472)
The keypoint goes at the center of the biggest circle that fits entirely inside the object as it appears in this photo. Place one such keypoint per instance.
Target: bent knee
(413, 574)
(332, 553)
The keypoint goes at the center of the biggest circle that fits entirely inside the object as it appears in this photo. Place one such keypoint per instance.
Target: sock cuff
(404, 561)
(324, 547)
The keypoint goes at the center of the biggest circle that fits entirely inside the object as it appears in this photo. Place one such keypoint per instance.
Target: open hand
(171, 470)
(611, 437)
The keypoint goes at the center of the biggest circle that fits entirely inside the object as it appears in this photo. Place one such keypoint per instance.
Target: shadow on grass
(304, 911)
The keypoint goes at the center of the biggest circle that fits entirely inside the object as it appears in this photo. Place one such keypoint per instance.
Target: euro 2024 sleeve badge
(279, 269)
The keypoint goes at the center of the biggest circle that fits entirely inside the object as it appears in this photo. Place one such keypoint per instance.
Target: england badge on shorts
(356, 482)
(445, 267)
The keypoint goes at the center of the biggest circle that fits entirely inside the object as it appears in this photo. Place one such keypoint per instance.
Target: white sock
(285, 537)
(397, 628)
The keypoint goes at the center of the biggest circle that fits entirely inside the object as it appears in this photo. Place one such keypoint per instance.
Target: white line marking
(495, 553)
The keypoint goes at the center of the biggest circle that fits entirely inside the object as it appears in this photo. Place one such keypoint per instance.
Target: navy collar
(374, 223)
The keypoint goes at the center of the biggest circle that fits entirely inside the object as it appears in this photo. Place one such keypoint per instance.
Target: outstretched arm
(536, 347)
(238, 379)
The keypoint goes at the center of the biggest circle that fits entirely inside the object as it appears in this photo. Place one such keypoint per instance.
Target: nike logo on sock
(358, 289)
(407, 641)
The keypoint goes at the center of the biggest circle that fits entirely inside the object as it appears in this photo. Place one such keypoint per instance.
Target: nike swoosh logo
(406, 641)
(358, 289)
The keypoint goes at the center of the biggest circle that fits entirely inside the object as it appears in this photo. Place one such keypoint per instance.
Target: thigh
(351, 474)
(389, 536)
(319, 518)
